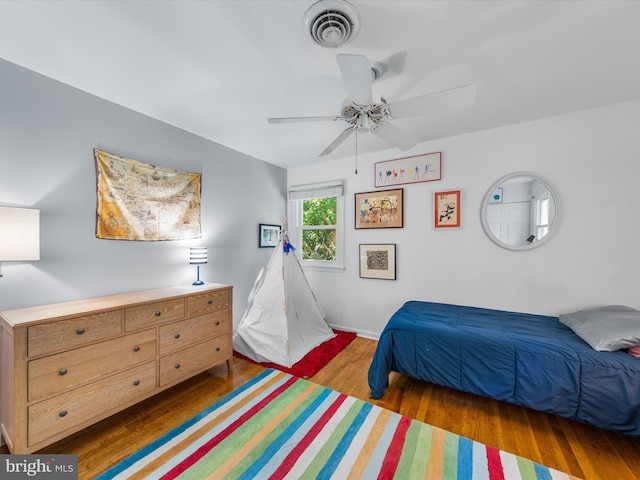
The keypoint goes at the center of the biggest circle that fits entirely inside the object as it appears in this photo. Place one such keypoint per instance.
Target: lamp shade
(20, 234)
(198, 255)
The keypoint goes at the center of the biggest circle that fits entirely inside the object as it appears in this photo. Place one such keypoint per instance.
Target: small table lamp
(19, 234)
(198, 256)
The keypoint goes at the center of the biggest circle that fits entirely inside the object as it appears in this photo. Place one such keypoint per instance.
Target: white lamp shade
(19, 234)
(198, 255)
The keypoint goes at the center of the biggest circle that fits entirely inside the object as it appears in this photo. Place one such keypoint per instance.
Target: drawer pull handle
(80, 331)
(136, 348)
(63, 371)
(136, 383)
(158, 313)
(210, 302)
(217, 323)
(177, 366)
(217, 349)
(63, 413)
(177, 335)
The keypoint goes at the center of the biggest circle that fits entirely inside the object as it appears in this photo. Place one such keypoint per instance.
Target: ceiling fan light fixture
(331, 23)
(363, 124)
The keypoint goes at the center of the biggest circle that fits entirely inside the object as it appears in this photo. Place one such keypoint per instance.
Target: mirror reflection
(519, 211)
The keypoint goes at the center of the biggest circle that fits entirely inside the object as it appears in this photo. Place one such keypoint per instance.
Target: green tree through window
(319, 229)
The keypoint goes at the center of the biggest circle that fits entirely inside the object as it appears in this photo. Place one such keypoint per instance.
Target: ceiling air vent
(331, 23)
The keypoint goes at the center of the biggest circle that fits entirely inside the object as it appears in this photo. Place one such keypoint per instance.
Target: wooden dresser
(68, 365)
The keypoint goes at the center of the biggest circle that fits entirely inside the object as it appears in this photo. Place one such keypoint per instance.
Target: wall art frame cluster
(385, 208)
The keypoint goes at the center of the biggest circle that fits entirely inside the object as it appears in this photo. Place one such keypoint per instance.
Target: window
(319, 228)
(542, 216)
(316, 224)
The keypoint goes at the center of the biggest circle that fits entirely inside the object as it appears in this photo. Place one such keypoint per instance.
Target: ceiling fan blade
(301, 119)
(339, 139)
(356, 75)
(395, 62)
(445, 100)
(396, 137)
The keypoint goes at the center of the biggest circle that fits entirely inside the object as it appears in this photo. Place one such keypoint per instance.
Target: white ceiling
(219, 68)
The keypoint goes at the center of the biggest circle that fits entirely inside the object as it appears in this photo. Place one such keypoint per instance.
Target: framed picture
(268, 235)
(446, 209)
(378, 261)
(381, 209)
(419, 168)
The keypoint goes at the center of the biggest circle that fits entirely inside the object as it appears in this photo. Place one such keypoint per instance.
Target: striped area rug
(280, 426)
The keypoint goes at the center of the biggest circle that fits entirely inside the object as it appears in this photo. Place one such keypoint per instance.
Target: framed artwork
(381, 209)
(378, 261)
(419, 168)
(268, 235)
(496, 196)
(446, 209)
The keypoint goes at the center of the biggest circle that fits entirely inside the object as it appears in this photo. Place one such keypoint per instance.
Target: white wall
(591, 158)
(47, 135)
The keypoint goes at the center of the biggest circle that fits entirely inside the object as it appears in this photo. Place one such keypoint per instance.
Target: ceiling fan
(365, 111)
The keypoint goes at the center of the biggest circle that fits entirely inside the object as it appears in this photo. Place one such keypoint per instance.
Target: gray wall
(48, 131)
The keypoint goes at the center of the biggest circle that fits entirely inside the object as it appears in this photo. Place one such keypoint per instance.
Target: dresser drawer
(58, 414)
(57, 373)
(74, 332)
(153, 314)
(221, 321)
(194, 359)
(181, 334)
(208, 302)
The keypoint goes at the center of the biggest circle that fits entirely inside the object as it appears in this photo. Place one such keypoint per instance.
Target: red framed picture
(446, 209)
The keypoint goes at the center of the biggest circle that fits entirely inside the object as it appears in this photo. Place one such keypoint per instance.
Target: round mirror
(520, 211)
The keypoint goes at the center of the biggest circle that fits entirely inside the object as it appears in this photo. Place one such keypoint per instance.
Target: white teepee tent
(283, 321)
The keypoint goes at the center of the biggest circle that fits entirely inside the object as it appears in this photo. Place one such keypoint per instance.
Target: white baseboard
(359, 333)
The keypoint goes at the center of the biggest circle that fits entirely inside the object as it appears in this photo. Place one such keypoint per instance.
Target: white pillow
(607, 329)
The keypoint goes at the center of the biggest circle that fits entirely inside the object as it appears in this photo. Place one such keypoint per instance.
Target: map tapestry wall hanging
(137, 201)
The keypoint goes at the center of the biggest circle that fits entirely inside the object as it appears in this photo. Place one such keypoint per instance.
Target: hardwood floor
(578, 449)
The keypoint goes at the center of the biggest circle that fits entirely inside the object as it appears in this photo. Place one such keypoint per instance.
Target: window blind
(316, 190)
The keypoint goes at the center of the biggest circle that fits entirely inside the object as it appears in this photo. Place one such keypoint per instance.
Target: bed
(530, 360)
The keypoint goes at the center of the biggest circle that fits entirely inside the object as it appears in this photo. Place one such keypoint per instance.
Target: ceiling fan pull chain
(356, 151)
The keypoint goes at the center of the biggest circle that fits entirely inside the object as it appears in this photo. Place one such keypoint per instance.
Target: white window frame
(539, 224)
(299, 193)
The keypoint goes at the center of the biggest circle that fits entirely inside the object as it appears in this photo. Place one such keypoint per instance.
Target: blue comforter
(529, 360)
